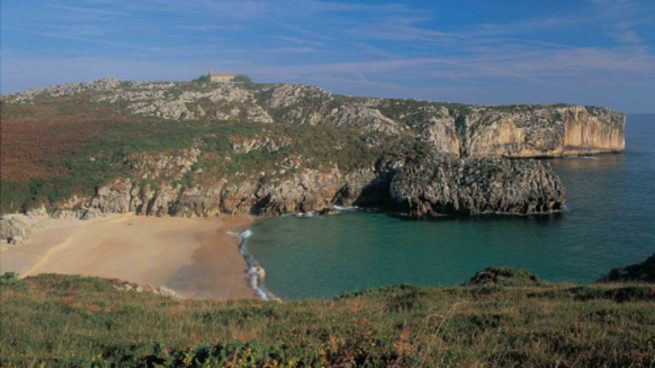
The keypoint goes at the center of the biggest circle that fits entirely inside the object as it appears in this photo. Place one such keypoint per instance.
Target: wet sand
(196, 258)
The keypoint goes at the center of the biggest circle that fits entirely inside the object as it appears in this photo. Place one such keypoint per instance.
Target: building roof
(222, 74)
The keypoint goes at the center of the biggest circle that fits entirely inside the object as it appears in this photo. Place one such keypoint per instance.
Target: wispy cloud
(86, 10)
(297, 40)
(290, 50)
(413, 48)
(71, 36)
(210, 27)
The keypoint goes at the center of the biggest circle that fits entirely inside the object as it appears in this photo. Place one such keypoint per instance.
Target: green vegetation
(202, 78)
(644, 271)
(66, 145)
(244, 79)
(97, 159)
(502, 276)
(239, 78)
(83, 321)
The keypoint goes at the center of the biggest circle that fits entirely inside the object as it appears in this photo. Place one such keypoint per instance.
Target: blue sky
(598, 52)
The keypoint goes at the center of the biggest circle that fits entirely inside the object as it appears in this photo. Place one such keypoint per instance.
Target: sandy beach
(196, 257)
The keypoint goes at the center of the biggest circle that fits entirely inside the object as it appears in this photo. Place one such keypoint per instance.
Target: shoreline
(197, 258)
(255, 272)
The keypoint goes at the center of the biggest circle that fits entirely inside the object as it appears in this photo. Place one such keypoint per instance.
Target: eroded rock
(435, 185)
(15, 229)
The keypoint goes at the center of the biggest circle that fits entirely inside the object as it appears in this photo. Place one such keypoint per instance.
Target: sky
(593, 52)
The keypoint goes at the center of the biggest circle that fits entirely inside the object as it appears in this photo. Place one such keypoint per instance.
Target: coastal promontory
(202, 149)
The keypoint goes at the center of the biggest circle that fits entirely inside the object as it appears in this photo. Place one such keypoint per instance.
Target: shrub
(242, 78)
(202, 78)
(8, 278)
(502, 276)
(644, 271)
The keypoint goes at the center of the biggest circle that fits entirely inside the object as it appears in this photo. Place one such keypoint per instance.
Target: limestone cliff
(543, 131)
(436, 185)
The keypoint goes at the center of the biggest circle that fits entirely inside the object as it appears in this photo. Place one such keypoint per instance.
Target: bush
(644, 271)
(8, 278)
(242, 78)
(202, 78)
(503, 276)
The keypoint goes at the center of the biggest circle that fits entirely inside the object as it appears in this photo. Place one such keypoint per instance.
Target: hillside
(199, 148)
(503, 317)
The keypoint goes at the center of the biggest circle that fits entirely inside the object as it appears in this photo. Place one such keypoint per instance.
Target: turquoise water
(609, 222)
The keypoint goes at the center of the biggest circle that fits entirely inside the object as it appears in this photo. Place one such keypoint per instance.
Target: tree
(202, 78)
(242, 78)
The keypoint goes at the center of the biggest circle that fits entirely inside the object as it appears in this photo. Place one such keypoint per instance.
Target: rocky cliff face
(437, 184)
(434, 184)
(543, 132)
(308, 191)
(416, 157)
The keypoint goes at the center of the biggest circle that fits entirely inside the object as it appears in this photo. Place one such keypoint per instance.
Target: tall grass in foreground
(81, 321)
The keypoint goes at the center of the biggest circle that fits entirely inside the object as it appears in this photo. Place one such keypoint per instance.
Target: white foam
(245, 234)
(255, 271)
(341, 209)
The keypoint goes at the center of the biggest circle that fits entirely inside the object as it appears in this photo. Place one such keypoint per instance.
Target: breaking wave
(256, 273)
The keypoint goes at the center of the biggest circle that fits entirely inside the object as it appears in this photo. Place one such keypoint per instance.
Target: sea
(609, 221)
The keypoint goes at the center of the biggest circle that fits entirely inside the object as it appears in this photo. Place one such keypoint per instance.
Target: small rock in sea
(261, 273)
(328, 211)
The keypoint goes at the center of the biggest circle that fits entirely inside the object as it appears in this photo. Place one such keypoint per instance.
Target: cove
(609, 221)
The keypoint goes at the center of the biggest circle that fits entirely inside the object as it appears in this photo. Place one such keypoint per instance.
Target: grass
(93, 160)
(83, 321)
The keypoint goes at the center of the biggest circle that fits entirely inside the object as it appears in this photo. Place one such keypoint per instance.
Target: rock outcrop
(444, 185)
(432, 185)
(542, 131)
(14, 229)
(310, 190)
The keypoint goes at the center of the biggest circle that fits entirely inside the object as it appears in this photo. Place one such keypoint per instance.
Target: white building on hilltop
(221, 77)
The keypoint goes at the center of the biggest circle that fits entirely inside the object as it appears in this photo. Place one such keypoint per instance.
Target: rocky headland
(204, 149)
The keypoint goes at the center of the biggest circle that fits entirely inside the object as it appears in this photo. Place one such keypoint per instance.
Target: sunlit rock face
(595, 133)
(549, 131)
